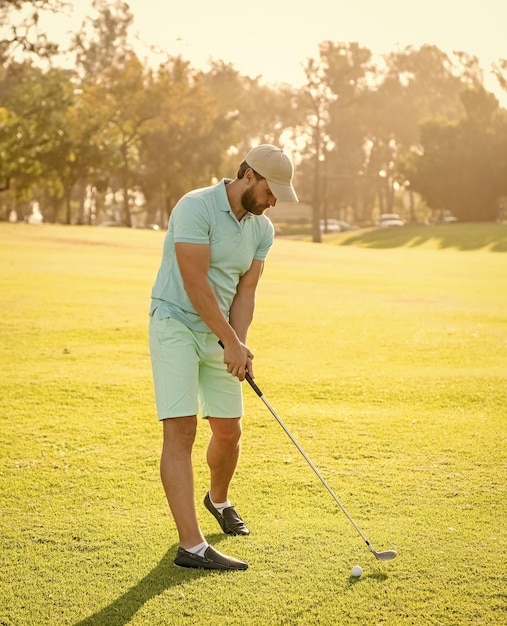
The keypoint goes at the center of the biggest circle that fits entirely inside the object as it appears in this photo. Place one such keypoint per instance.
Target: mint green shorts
(189, 373)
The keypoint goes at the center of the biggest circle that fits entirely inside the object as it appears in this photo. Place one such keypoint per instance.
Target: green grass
(485, 236)
(385, 355)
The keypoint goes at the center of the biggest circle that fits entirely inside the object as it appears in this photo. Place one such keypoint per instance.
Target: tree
(102, 41)
(51, 136)
(123, 106)
(463, 164)
(115, 93)
(19, 28)
(335, 85)
(20, 35)
(500, 71)
(417, 84)
(260, 113)
(33, 101)
(185, 145)
(316, 98)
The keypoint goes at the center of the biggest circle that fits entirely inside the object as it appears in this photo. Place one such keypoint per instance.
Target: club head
(387, 555)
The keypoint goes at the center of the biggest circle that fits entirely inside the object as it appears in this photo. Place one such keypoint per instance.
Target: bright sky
(273, 38)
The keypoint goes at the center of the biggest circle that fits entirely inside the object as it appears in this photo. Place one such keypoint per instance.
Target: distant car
(110, 224)
(147, 226)
(333, 226)
(448, 217)
(346, 226)
(390, 220)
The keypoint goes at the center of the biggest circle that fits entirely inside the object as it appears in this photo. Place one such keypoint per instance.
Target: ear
(250, 176)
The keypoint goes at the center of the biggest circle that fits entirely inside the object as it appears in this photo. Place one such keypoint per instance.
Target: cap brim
(283, 193)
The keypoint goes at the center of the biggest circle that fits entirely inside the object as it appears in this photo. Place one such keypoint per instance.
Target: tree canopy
(115, 138)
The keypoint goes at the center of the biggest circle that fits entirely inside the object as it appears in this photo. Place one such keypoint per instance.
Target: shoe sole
(212, 569)
(221, 562)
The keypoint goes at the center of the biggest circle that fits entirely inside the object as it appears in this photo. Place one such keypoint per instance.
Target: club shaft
(306, 457)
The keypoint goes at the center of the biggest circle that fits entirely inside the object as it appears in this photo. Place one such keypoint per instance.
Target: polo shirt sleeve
(266, 241)
(191, 221)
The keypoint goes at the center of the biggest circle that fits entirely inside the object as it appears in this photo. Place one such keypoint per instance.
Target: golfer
(214, 251)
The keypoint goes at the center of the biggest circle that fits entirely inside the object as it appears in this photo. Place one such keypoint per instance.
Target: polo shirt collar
(224, 203)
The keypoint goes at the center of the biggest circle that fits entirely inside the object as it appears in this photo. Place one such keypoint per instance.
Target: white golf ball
(357, 570)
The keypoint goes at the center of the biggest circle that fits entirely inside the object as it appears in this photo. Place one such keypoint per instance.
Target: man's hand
(238, 359)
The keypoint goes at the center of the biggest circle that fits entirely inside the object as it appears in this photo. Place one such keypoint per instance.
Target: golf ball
(357, 570)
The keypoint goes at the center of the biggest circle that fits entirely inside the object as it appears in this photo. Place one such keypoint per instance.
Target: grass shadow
(162, 577)
(458, 236)
(378, 576)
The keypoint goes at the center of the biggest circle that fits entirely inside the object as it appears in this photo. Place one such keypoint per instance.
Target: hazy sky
(273, 38)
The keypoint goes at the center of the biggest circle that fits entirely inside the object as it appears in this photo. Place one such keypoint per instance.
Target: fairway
(384, 353)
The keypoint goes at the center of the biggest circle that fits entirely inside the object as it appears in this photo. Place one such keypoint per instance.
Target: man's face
(258, 198)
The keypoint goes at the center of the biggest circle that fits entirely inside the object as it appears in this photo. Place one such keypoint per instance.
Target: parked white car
(333, 226)
(344, 226)
(448, 217)
(389, 220)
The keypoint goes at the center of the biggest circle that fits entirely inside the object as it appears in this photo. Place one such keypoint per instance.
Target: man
(217, 240)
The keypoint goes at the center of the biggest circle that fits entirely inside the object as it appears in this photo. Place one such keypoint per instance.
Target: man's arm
(193, 261)
(243, 305)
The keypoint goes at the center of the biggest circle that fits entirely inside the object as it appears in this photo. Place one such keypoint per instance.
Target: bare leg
(177, 477)
(222, 455)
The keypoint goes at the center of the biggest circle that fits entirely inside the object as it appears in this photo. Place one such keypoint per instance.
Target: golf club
(386, 555)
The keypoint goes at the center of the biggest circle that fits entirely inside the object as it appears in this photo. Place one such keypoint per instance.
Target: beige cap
(276, 167)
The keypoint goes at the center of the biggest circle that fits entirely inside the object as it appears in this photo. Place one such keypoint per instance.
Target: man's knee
(226, 431)
(180, 431)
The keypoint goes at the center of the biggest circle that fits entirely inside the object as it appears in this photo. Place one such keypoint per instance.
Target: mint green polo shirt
(204, 216)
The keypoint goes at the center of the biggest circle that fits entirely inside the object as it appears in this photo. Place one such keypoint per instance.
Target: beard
(249, 203)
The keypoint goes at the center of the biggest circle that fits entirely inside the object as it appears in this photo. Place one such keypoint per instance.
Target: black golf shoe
(212, 559)
(229, 520)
